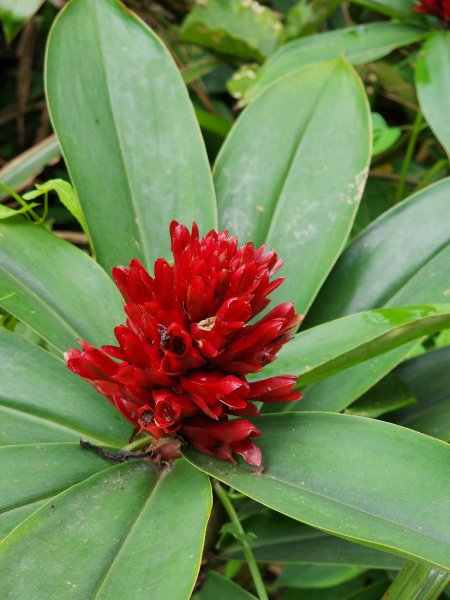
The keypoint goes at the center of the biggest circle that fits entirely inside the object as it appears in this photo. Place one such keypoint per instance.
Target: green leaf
(28, 164)
(326, 349)
(388, 395)
(352, 477)
(429, 378)
(15, 13)
(418, 581)
(244, 29)
(108, 529)
(366, 276)
(316, 576)
(6, 212)
(392, 8)
(283, 540)
(66, 194)
(305, 18)
(218, 587)
(55, 288)
(383, 136)
(42, 401)
(433, 84)
(32, 473)
(359, 44)
(273, 189)
(127, 130)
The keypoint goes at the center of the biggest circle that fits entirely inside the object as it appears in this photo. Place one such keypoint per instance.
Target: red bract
(437, 8)
(179, 370)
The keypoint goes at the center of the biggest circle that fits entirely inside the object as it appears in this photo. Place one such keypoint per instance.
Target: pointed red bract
(179, 369)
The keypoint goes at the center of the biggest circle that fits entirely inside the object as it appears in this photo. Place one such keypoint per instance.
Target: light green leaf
(329, 348)
(6, 212)
(272, 188)
(359, 44)
(55, 288)
(433, 84)
(106, 527)
(66, 194)
(15, 13)
(241, 28)
(352, 477)
(42, 401)
(127, 130)
(383, 135)
(28, 164)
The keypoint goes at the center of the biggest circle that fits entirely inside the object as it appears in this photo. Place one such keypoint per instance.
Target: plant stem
(249, 557)
(408, 157)
(137, 444)
(417, 581)
(434, 170)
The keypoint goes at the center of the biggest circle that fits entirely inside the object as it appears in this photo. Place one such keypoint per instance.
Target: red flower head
(180, 368)
(436, 8)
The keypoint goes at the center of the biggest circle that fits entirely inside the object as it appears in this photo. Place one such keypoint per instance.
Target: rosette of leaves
(290, 174)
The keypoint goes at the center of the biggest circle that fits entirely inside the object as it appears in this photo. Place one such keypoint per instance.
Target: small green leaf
(383, 136)
(15, 13)
(6, 212)
(218, 587)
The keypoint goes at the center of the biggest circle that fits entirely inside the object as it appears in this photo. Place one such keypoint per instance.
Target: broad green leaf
(55, 288)
(367, 276)
(66, 194)
(218, 587)
(283, 540)
(15, 13)
(359, 44)
(388, 395)
(42, 401)
(124, 532)
(32, 473)
(243, 29)
(352, 477)
(433, 84)
(127, 131)
(418, 581)
(428, 376)
(6, 212)
(326, 349)
(29, 164)
(316, 576)
(272, 188)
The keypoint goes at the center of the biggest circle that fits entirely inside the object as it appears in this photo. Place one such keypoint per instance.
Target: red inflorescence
(180, 368)
(437, 8)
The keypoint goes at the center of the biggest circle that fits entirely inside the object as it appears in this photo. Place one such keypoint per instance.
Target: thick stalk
(249, 557)
(417, 581)
(408, 157)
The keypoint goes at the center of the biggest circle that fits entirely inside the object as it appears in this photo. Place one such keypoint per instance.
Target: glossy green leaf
(32, 473)
(316, 576)
(55, 288)
(279, 539)
(366, 276)
(428, 376)
(121, 533)
(42, 401)
(218, 587)
(388, 395)
(352, 477)
(127, 130)
(29, 164)
(418, 581)
(66, 194)
(433, 84)
(326, 349)
(359, 44)
(272, 189)
(15, 13)
(245, 30)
